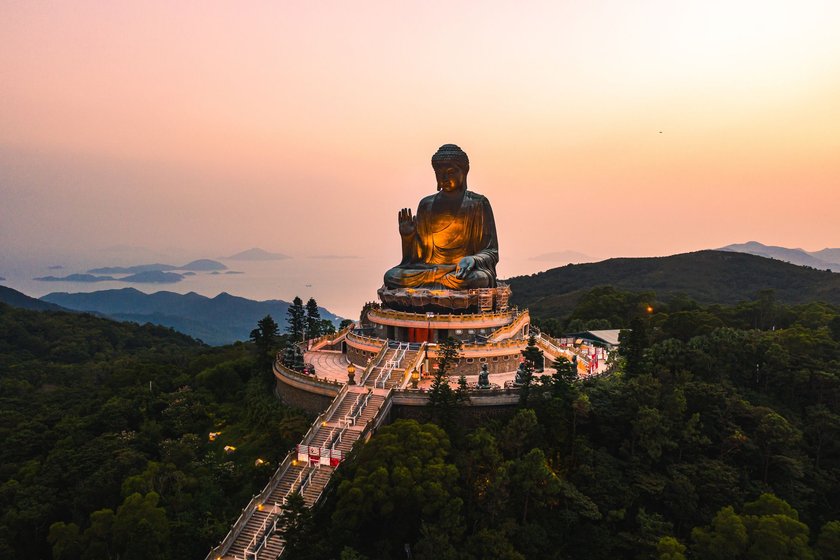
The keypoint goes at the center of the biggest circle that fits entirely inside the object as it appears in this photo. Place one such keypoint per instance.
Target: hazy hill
(75, 278)
(256, 254)
(705, 276)
(153, 277)
(220, 320)
(825, 259)
(19, 299)
(200, 265)
(830, 255)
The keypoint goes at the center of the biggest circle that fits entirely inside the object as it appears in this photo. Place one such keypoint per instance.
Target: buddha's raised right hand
(408, 223)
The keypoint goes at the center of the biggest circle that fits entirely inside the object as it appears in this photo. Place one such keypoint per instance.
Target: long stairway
(353, 414)
(390, 371)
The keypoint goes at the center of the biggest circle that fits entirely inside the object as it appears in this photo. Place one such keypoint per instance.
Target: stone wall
(359, 357)
(495, 364)
(301, 391)
(300, 398)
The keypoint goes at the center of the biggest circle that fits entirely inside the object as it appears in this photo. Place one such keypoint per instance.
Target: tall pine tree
(313, 319)
(296, 320)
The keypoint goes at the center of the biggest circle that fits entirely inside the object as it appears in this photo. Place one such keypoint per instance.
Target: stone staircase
(353, 413)
(390, 371)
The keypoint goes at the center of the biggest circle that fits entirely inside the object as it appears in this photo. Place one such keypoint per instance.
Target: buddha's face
(450, 177)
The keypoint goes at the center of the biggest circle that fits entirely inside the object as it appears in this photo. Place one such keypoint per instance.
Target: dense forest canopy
(717, 435)
(105, 429)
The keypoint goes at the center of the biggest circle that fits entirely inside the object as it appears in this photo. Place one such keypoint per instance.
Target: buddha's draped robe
(432, 252)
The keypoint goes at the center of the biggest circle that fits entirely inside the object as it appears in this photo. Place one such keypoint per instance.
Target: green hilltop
(707, 277)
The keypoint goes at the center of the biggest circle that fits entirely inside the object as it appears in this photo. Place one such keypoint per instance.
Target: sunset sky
(609, 128)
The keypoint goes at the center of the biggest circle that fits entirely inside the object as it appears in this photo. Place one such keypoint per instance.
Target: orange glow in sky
(611, 128)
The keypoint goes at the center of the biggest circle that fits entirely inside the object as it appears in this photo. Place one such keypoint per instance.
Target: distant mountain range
(706, 276)
(142, 274)
(223, 319)
(200, 265)
(146, 277)
(826, 259)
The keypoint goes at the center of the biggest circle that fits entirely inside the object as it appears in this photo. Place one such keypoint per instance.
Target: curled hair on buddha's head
(451, 152)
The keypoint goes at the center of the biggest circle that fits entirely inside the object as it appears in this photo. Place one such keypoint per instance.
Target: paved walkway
(328, 363)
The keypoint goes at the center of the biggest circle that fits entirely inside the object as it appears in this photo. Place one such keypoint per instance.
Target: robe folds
(431, 254)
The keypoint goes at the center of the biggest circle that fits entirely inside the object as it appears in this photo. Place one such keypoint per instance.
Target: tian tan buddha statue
(451, 243)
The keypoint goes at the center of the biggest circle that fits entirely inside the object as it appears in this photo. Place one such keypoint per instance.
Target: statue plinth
(419, 300)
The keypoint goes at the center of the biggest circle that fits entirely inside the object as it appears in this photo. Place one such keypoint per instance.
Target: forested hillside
(716, 435)
(105, 431)
(223, 319)
(709, 440)
(707, 277)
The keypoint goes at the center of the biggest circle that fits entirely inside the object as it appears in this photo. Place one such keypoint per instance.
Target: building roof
(609, 336)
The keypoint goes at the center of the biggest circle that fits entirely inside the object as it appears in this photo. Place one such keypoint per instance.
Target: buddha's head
(451, 166)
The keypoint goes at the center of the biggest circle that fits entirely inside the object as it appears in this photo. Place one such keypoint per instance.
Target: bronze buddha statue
(451, 243)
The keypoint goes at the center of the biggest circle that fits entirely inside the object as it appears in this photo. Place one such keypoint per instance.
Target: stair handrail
(385, 372)
(253, 543)
(350, 417)
(266, 536)
(369, 425)
(251, 507)
(327, 414)
(415, 365)
(511, 327)
(295, 483)
(373, 363)
(320, 492)
(549, 342)
(338, 438)
(391, 365)
(332, 337)
(403, 351)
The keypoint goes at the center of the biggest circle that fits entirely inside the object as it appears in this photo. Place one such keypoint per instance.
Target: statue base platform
(481, 300)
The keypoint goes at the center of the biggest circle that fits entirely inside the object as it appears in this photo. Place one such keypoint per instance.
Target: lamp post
(415, 378)
(351, 374)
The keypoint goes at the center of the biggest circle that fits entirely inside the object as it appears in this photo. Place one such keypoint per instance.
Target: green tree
(776, 437)
(769, 529)
(479, 464)
(634, 341)
(400, 480)
(669, 548)
(141, 529)
(327, 327)
(66, 541)
(442, 399)
(726, 538)
(295, 527)
(296, 320)
(313, 319)
(534, 355)
(265, 339)
(520, 433)
(828, 543)
(533, 482)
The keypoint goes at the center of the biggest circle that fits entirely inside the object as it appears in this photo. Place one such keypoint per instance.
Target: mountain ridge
(708, 277)
(827, 258)
(219, 320)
